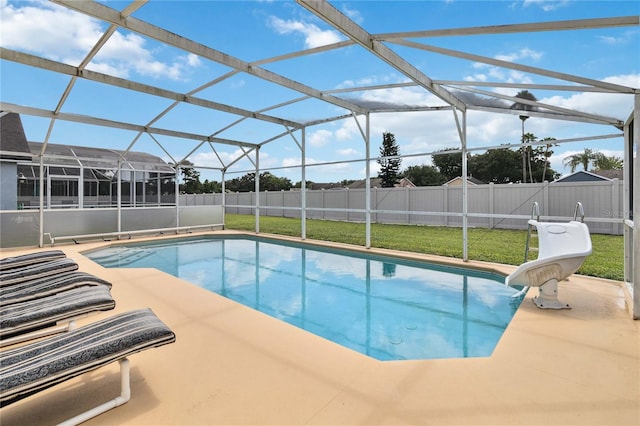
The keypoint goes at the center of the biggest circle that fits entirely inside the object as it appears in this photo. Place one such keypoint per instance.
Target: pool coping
(233, 365)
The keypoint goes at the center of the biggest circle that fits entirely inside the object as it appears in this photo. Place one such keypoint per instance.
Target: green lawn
(493, 245)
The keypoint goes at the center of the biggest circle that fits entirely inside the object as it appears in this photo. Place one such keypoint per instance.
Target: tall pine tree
(389, 166)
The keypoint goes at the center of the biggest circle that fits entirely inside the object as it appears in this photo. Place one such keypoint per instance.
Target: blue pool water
(384, 307)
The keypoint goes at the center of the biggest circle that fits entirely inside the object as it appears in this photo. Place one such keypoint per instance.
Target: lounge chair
(52, 314)
(48, 285)
(37, 270)
(29, 369)
(40, 295)
(30, 259)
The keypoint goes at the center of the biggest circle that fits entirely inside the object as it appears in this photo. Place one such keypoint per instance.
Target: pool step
(121, 257)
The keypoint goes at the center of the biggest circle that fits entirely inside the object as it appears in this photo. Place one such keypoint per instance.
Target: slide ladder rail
(535, 213)
(579, 209)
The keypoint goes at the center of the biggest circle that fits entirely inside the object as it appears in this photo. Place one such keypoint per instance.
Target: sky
(252, 31)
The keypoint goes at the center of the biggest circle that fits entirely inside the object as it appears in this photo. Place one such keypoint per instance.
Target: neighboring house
(13, 148)
(611, 174)
(77, 176)
(405, 183)
(377, 183)
(360, 184)
(457, 181)
(585, 176)
(320, 185)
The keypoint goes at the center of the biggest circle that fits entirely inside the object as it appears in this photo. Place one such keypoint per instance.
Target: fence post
(346, 201)
(615, 206)
(491, 205)
(545, 198)
(407, 204)
(445, 195)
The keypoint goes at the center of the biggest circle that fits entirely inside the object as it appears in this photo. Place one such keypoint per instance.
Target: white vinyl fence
(489, 206)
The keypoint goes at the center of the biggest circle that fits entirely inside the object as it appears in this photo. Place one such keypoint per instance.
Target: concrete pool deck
(233, 365)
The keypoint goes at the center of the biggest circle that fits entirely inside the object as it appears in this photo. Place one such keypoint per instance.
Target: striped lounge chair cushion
(39, 270)
(30, 259)
(37, 313)
(41, 287)
(29, 369)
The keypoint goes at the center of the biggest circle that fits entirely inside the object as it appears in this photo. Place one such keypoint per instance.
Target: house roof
(611, 174)
(582, 176)
(13, 142)
(470, 179)
(97, 163)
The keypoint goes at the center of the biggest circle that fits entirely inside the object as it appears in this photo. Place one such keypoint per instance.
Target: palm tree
(524, 94)
(547, 154)
(602, 162)
(581, 158)
(529, 138)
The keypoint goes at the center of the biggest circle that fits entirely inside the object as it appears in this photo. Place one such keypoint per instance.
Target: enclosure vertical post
(177, 192)
(81, 188)
(368, 182)
(143, 186)
(303, 187)
(627, 207)
(119, 198)
(132, 189)
(41, 194)
(257, 190)
(465, 187)
(635, 260)
(48, 188)
(224, 200)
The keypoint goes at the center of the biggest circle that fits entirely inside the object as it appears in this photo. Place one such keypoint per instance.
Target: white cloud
(489, 72)
(524, 53)
(348, 152)
(313, 35)
(546, 5)
(610, 105)
(347, 131)
(319, 137)
(66, 36)
(41, 27)
(353, 14)
(292, 161)
(626, 37)
(238, 83)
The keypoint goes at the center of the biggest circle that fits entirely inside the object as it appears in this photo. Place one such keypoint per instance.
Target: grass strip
(491, 245)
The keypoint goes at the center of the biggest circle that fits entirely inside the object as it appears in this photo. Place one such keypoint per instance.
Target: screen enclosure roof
(288, 90)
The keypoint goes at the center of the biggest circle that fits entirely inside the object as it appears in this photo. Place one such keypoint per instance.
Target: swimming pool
(384, 307)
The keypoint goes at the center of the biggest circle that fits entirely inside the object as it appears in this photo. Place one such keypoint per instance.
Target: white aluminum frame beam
(559, 87)
(510, 65)
(550, 115)
(113, 16)
(332, 16)
(77, 118)
(35, 61)
(576, 24)
(593, 118)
